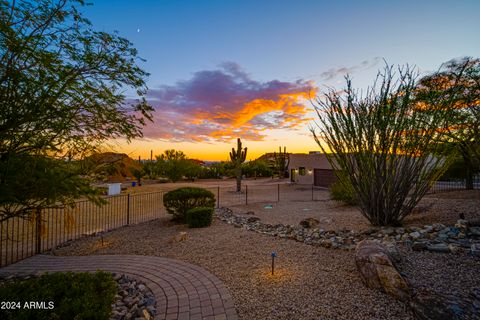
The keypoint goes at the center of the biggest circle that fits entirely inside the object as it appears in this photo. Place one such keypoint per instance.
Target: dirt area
(154, 186)
(436, 208)
(292, 203)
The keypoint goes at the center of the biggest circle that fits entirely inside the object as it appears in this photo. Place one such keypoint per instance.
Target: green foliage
(216, 170)
(199, 217)
(179, 201)
(62, 88)
(138, 174)
(175, 165)
(193, 170)
(257, 168)
(237, 157)
(456, 170)
(342, 190)
(75, 296)
(383, 142)
(40, 182)
(456, 89)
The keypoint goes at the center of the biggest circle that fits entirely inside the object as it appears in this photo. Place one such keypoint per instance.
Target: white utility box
(114, 188)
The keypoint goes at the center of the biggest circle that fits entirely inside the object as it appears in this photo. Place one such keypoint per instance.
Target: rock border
(461, 238)
(134, 299)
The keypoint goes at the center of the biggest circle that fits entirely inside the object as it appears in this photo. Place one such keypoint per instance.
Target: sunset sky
(226, 69)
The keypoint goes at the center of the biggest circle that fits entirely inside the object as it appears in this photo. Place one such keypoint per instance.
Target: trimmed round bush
(179, 201)
(199, 217)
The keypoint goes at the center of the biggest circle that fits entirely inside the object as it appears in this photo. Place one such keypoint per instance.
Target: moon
(138, 30)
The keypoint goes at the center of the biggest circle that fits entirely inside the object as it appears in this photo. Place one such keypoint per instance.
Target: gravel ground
(440, 208)
(310, 282)
(444, 273)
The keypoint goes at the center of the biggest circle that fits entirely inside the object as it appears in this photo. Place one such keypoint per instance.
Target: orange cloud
(223, 104)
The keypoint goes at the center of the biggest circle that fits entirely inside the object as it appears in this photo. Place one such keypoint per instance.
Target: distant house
(312, 168)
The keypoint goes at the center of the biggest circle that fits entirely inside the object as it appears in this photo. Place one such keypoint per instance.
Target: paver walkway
(182, 290)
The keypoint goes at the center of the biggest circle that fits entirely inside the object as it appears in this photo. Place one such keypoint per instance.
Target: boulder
(309, 223)
(378, 271)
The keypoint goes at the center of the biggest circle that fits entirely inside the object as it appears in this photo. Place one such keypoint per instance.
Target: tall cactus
(238, 157)
(282, 160)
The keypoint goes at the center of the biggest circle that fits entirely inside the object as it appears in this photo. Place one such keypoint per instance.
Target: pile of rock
(437, 237)
(133, 301)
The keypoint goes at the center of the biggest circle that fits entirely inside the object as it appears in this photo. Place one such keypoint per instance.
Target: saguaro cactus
(282, 161)
(238, 157)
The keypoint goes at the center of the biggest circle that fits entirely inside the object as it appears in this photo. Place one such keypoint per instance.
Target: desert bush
(384, 142)
(179, 201)
(199, 217)
(342, 190)
(74, 296)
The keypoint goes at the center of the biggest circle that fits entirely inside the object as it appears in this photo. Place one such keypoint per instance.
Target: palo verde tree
(456, 88)
(237, 157)
(383, 142)
(173, 164)
(62, 94)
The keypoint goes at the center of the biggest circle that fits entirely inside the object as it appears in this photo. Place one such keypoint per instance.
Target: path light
(273, 254)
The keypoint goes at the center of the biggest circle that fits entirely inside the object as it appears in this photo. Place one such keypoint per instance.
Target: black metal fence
(443, 186)
(22, 238)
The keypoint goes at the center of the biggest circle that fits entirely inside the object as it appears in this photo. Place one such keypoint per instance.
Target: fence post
(278, 192)
(38, 230)
(312, 191)
(246, 194)
(218, 196)
(128, 208)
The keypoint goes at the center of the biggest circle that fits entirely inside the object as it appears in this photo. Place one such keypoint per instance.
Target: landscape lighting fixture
(273, 254)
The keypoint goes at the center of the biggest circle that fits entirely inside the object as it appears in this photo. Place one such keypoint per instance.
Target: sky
(251, 69)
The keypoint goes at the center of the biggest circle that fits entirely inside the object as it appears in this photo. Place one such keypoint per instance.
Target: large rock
(378, 271)
(309, 223)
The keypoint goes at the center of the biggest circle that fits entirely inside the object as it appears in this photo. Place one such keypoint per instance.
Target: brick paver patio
(182, 290)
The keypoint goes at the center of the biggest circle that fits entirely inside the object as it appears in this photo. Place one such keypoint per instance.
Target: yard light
(273, 254)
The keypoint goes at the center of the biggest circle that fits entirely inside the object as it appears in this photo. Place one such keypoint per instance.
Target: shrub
(74, 296)
(179, 201)
(342, 190)
(199, 217)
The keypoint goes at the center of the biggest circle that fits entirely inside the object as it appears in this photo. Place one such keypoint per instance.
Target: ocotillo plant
(281, 161)
(238, 157)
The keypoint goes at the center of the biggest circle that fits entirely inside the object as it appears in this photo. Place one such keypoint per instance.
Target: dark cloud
(226, 103)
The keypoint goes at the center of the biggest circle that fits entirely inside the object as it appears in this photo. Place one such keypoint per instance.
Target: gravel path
(310, 282)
